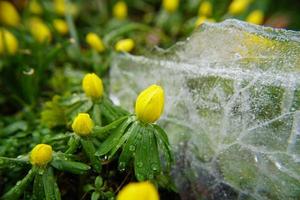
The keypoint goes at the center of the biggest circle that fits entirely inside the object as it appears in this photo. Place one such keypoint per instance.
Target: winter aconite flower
(35, 7)
(125, 45)
(92, 85)
(61, 7)
(8, 42)
(203, 19)
(83, 124)
(150, 104)
(238, 6)
(170, 5)
(138, 191)
(41, 155)
(61, 26)
(120, 10)
(256, 17)
(95, 42)
(205, 9)
(8, 14)
(39, 30)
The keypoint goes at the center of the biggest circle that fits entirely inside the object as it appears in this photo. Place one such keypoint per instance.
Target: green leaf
(114, 138)
(89, 149)
(95, 196)
(96, 114)
(100, 131)
(70, 166)
(73, 144)
(15, 192)
(13, 162)
(123, 139)
(98, 182)
(50, 186)
(129, 149)
(146, 161)
(110, 111)
(38, 189)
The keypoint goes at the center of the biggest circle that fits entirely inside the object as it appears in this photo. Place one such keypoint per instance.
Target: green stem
(100, 131)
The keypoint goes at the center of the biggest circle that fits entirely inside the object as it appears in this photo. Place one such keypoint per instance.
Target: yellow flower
(39, 30)
(138, 191)
(125, 45)
(205, 9)
(92, 85)
(203, 19)
(61, 26)
(61, 7)
(41, 155)
(83, 124)
(8, 14)
(238, 6)
(256, 17)
(120, 10)
(8, 42)
(35, 7)
(170, 5)
(95, 42)
(150, 104)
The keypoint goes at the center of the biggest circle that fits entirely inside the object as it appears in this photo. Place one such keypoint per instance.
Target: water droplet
(140, 164)
(154, 167)
(122, 166)
(104, 158)
(18, 183)
(131, 148)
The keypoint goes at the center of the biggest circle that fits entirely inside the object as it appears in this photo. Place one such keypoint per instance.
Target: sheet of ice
(232, 109)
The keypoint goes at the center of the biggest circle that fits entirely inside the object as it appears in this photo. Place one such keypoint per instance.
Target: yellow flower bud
(83, 124)
(95, 42)
(61, 7)
(256, 17)
(205, 9)
(35, 7)
(92, 85)
(150, 104)
(120, 10)
(39, 30)
(170, 5)
(203, 19)
(61, 26)
(125, 45)
(238, 6)
(8, 14)
(41, 155)
(138, 191)
(8, 42)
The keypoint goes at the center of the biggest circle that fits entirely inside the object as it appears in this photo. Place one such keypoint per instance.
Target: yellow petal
(41, 155)
(95, 42)
(256, 17)
(125, 45)
(92, 85)
(8, 42)
(61, 26)
(138, 191)
(149, 104)
(170, 5)
(83, 124)
(120, 10)
(9, 14)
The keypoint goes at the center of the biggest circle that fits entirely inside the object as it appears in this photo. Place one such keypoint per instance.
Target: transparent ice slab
(231, 109)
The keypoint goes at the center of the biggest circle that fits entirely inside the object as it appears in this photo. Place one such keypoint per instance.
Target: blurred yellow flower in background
(41, 155)
(61, 7)
(256, 17)
(125, 45)
(238, 6)
(8, 42)
(35, 7)
(205, 9)
(203, 19)
(95, 42)
(39, 30)
(150, 104)
(61, 26)
(9, 14)
(138, 191)
(170, 5)
(120, 10)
